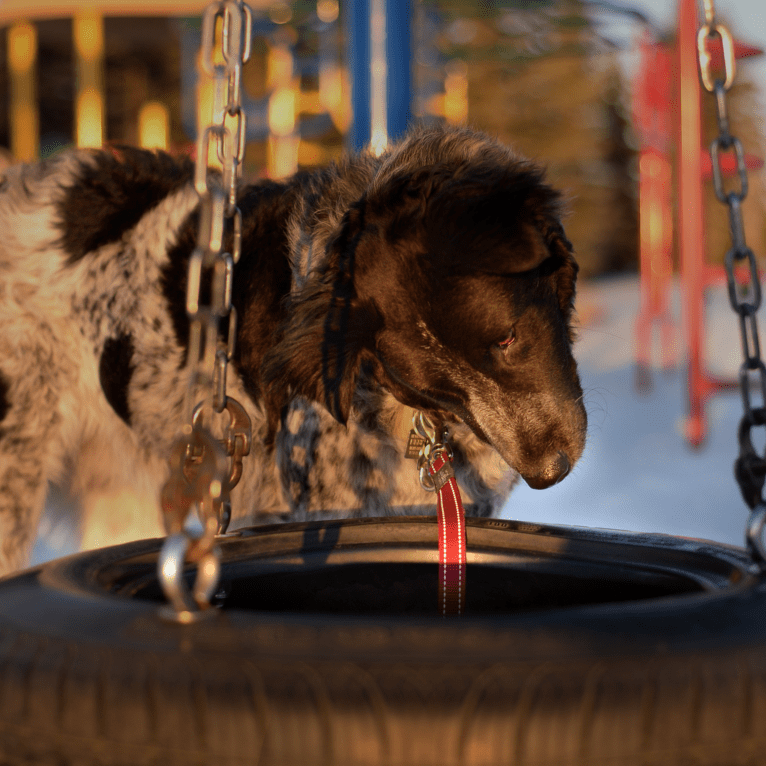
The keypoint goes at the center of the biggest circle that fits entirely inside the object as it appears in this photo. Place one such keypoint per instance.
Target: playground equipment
(88, 39)
(662, 116)
(317, 61)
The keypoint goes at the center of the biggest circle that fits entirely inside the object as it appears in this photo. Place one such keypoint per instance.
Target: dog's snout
(556, 470)
(561, 467)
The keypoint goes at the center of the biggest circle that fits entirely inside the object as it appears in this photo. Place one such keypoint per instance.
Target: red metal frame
(656, 110)
(688, 119)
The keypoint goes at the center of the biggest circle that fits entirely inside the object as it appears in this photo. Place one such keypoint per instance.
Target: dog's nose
(557, 470)
(561, 467)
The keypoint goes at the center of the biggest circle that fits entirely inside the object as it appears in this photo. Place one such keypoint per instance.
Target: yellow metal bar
(456, 93)
(284, 102)
(13, 10)
(88, 30)
(153, 126)
(22, 55)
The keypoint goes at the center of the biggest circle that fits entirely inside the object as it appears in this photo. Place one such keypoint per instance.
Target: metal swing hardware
(203, 469)
(745, 299)
(423, 447)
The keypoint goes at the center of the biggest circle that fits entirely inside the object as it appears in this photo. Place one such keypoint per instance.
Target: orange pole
(24, 119)
(88, 32)
(690, 212)
(652, 121)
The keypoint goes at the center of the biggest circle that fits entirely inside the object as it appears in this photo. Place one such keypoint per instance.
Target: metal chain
(204, 470)
(745, 297)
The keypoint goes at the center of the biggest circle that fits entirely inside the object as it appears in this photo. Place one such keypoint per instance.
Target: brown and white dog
(457, 287)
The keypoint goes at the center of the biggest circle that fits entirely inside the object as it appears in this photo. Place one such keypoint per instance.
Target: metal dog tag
(415, 444)
(442, 476)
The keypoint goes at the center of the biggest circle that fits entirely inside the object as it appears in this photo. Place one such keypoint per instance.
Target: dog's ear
(320, 346)
(529, 250)
(566, 275)
(402, 200)
(488, 217)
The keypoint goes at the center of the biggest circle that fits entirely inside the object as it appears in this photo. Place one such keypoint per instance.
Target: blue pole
(398, 52)
(399, 61)
(358, 25)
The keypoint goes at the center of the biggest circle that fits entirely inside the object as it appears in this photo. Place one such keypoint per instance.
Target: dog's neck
(287, 228)
(325, 197)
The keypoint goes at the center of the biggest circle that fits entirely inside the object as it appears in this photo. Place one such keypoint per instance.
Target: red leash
(436, 459)
(451, 519)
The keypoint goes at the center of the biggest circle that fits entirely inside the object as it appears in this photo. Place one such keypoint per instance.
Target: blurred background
(592, 90)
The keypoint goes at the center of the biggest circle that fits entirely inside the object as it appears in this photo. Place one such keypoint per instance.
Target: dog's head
(452, 281)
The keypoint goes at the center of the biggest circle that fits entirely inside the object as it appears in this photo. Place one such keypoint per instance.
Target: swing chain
(744, 296)
(204, 470)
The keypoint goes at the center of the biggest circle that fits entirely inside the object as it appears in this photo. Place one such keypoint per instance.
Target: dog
(457, 283)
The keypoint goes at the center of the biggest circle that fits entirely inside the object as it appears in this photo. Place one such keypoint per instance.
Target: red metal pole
(655, 224)
(688, 119)
(652, 122)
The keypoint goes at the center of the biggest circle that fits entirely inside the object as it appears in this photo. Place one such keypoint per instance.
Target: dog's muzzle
(557, 470)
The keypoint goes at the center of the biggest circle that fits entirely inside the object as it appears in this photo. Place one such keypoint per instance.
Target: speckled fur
(69, 288)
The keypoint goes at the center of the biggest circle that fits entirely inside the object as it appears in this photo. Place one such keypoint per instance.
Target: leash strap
(452, 543)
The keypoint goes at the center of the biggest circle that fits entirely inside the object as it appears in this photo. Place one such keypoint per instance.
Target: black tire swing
(577, 647)
(325, 647)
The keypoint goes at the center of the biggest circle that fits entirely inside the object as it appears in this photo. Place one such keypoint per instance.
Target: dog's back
(66, 314)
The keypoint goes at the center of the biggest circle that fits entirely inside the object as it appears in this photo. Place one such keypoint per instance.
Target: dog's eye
(508, 342)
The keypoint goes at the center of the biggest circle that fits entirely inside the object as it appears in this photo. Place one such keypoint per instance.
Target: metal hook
(424, 427)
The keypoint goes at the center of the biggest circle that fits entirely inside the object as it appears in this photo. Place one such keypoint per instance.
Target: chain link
(204, 470)
(707, 33)
(744, 296)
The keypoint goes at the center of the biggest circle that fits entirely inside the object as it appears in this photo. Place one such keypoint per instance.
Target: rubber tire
(91, 674)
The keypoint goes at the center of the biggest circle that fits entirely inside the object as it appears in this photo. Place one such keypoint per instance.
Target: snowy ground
(637, 472)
